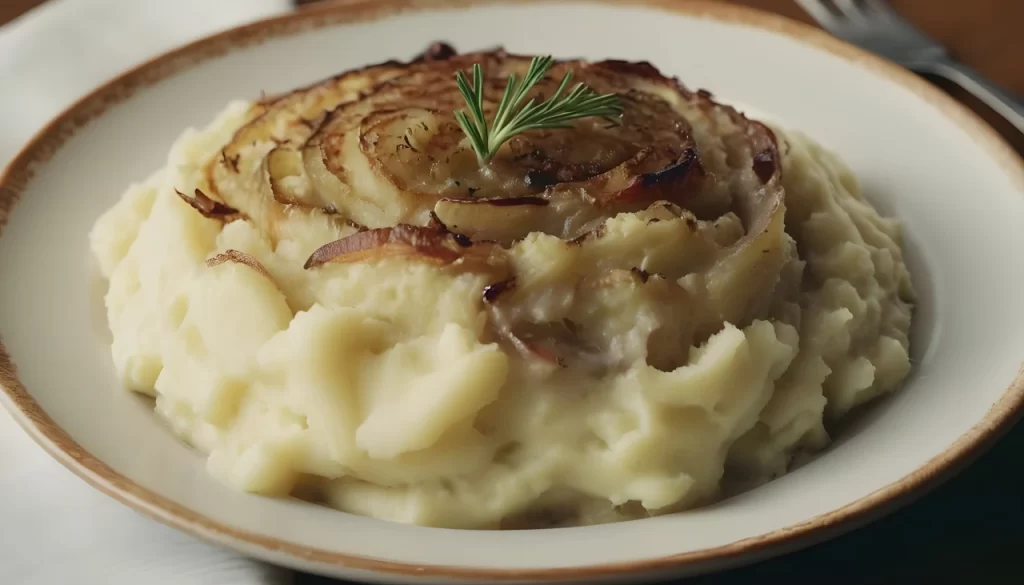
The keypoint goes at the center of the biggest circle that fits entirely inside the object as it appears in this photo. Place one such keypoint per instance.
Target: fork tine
(820, 11)
(852, 9)
(882, 8)
(878, 6)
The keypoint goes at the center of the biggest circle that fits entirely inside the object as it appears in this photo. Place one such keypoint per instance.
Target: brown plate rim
(19, 172)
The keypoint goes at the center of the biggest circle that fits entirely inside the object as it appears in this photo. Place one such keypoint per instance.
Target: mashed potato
(379, 387)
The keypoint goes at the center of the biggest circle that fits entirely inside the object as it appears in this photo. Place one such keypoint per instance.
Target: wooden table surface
(971, 530)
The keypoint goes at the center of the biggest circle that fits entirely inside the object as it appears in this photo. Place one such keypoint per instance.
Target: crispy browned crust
(437, 51)
(493, 291)
(654, 158)
(503, 201)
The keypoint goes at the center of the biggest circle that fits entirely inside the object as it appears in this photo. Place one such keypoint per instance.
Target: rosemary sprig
(511, 119)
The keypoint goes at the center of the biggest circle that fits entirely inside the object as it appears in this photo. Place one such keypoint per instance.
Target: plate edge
(53, 439)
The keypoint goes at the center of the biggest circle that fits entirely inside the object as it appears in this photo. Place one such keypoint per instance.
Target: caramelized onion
(381, 146)
(208, 207)
(434, 246)
(238, 258)
(372, 164)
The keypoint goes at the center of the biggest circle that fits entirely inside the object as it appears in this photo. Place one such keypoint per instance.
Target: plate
(919, 156)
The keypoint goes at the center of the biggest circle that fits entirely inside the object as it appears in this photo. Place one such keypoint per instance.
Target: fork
(874, 26)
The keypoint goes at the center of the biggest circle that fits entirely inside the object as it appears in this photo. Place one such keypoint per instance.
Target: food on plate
(493, 291)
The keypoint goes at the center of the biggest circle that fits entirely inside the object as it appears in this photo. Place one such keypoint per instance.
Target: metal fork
(874, 26)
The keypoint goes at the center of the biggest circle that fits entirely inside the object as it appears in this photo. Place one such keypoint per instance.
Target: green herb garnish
(511, 119)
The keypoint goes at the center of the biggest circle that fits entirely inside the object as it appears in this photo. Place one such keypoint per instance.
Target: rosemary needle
(511, 118)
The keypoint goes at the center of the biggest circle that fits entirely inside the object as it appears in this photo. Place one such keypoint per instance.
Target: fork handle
(983, 89)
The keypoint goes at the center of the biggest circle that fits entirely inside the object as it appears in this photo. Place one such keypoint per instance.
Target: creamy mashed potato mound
(574, 380)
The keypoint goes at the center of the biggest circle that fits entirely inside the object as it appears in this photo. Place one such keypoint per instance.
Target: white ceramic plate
(919, 155)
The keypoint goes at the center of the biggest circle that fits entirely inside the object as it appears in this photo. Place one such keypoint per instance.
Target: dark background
(971, 529)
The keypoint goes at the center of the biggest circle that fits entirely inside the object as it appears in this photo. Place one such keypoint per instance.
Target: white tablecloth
(54, 529)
